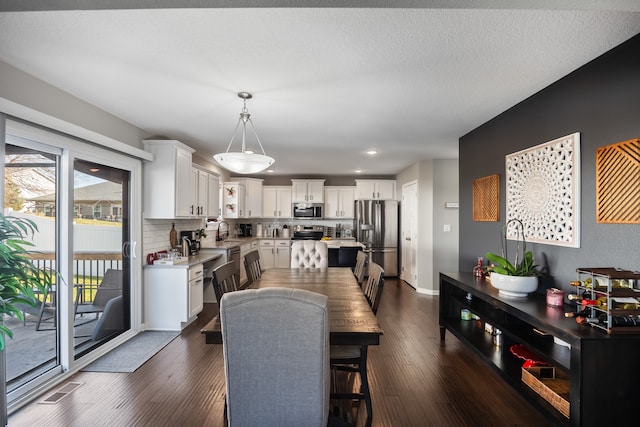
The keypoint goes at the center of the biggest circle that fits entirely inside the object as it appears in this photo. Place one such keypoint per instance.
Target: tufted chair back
(309, 254)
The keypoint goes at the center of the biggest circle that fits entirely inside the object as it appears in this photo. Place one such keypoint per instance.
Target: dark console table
(602, 369)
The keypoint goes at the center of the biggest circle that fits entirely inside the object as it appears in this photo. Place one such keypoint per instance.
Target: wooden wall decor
(486, 198)
(543, 191)
(618, 183)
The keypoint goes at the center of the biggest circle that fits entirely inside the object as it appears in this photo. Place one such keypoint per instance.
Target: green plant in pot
(521, 277)
(20, 279)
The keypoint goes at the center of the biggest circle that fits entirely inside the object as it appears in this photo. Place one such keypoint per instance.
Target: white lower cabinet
(275, 253)
(173, 297)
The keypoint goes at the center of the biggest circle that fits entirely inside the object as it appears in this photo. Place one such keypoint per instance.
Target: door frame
(409, 225)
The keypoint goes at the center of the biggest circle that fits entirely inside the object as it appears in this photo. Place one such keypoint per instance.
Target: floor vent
(58, 395)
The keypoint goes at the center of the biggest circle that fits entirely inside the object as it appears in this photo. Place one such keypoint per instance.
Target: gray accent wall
(601, 100)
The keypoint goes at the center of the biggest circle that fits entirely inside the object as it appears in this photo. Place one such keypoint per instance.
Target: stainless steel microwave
(307, 210)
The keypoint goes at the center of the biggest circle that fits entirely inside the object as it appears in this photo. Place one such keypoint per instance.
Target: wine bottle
(574, 297)
(173, 236)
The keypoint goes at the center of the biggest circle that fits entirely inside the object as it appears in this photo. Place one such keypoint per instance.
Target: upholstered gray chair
(309, 254)
(276, 357)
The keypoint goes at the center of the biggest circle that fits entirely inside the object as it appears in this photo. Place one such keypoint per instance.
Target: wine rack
(610, 298)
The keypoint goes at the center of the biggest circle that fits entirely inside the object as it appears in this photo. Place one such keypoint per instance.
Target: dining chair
(276, 357)
(360, 267)
(252, 266)
(109, 288)
(224, 279)
(353, 358)
(309, 254)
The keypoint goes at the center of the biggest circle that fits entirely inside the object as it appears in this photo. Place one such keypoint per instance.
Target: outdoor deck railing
(88, 269)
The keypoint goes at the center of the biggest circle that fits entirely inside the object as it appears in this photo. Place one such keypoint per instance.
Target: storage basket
(550, 385)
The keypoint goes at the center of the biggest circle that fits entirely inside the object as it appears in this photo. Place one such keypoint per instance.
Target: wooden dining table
(352, 322)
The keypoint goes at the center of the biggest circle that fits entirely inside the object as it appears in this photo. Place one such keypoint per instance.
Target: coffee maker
(192, 242)
(246, 230)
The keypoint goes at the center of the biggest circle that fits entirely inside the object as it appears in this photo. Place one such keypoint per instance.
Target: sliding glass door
(82, 199)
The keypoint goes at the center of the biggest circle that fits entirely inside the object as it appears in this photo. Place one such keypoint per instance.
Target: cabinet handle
(274, 213)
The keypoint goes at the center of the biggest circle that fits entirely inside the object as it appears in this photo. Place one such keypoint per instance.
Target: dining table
(352, 322)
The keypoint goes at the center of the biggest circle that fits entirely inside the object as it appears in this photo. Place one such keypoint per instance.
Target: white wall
(437, 250)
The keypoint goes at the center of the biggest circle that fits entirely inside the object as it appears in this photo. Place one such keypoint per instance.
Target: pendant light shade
(244, 161)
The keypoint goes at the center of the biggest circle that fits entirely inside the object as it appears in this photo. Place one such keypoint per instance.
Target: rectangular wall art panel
(486, 198)
(543, 191)
(618, 183)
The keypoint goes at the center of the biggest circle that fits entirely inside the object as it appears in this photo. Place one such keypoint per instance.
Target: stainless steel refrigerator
(376, 227)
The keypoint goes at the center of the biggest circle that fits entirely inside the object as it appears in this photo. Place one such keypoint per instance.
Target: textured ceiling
(328, 83)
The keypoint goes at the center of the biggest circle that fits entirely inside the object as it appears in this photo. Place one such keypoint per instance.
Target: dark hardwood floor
(415, 380)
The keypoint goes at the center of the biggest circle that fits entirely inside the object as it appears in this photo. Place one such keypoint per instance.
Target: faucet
(218, 238)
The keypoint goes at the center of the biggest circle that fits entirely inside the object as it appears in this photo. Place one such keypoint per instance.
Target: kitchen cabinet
(276, 201)
(233, 199)
(167, 180)
(173, 296)
(252, 206)
(275, 253)
(205, 188)
(375, 189)
(339, 202)
(307, 190)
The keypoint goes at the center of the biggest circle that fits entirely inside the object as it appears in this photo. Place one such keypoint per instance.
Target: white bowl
(514, 286)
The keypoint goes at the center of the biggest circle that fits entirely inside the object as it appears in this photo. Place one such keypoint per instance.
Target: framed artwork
(543, 191)
(486, 198)
(618, 183)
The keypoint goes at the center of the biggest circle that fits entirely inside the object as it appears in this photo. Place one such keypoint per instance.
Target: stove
(307, 232)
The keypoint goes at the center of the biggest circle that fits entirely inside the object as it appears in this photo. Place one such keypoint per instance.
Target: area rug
(132, 354)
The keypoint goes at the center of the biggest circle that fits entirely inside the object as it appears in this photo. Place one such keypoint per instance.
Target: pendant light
(244, 161)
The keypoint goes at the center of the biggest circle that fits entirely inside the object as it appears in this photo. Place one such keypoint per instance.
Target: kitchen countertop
(192, 260)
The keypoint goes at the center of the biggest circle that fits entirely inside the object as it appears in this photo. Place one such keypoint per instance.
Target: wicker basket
(550, 385)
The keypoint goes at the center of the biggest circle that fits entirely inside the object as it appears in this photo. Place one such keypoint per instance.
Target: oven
(307, 232)
(307, 210)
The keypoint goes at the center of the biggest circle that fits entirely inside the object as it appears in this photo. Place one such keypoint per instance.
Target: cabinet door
(269, 202)
(213, 196)
(365, 190)
(253, 197)
(184, 185)
(284, 202)
(315, 191)
(283, 254)
(347, 205)
(233, 197)
(386, 190)
(267, 254)
(332, 202)
(299, 191)
(203, 189)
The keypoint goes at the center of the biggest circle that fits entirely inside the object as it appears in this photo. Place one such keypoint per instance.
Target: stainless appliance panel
(376, 226)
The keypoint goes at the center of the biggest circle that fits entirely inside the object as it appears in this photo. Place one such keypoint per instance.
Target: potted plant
(521, 277)
(19, 281)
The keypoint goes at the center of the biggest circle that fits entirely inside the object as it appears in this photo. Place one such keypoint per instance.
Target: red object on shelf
(529, 357)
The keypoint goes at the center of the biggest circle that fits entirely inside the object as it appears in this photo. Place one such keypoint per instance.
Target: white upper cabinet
(307, 190)
(205, 187)
(252, 197)
(233, 200)
(375, 189)
(339, 202)
(167, 180)
(276, 201)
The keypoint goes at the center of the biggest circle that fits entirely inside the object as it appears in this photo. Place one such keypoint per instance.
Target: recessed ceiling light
(270, 171)
(372, 152)
(358, 171)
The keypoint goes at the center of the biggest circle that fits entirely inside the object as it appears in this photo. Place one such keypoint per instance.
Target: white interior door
(409, 234)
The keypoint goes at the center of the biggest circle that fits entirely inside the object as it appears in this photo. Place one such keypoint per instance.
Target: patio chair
(110, 287)
(276, 357)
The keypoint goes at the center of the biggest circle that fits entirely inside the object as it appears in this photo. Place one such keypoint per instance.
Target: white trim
(14, 109)
(432, 292)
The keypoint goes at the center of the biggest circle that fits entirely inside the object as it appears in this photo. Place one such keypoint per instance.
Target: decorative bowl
(514, 286)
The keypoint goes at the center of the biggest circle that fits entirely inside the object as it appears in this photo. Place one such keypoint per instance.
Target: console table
(602, 369)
